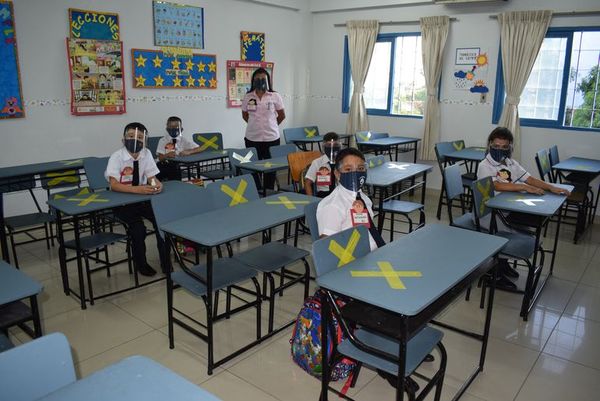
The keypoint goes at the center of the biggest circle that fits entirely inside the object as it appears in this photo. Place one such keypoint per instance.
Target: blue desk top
(540, 205)
(201, 157)
(16, 285)
(230, 223)
(133, 378)
(266, 165)
(392, 172)
(390, 141)
(476, 154)
(316, 138)
(579, 164)
(40, 168)
(407, 275)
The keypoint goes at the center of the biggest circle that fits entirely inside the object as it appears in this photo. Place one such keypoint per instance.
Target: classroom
(198, 198)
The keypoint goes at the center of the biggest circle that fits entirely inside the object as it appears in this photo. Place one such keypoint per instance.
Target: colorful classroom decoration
(239, 76)
(157, 69)
(178, 25)
(252, 46)
(84, 24)
(96, 69)
(471, 70)
(11, 96)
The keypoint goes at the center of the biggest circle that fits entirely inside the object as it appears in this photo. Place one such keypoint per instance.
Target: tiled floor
(553, 356)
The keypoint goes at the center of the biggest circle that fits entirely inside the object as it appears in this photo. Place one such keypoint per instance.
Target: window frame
(387, 112)
(499, 94)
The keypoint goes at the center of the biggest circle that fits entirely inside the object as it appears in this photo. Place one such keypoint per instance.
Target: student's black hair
(500, 133)
(261, 71)
(133, 126)
(347, 152)
(331, 136)
(174, 118)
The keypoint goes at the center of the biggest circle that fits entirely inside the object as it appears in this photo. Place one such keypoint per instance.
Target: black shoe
(503, 283)
(506, 269)
(147, 270)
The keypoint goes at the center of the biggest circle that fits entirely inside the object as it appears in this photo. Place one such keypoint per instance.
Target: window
(395, 83)
(563, 88)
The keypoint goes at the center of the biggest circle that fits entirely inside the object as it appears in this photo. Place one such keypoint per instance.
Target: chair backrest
(325, 251)
(366, 136)
(375, 161)
(282, 150)
(553, 155)
(152, 144)
(210, 141)
(94, 171)
(237, 158)
(60, 179)
(290, 134)
(17, 184)
(443, 149)
(483, 190)
(453, 181)
(543, 164)
(37, 368)
(232, 191)
(310, 215)
(298, 161)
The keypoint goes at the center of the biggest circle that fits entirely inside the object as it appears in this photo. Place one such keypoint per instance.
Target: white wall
(52, 133)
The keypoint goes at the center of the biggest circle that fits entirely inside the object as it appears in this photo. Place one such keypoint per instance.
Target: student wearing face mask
(320, 175)
(262, 109)
(132, 169)
(171, 145)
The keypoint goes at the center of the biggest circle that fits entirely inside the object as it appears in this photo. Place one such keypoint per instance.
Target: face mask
(173, 132)
(353, 181)
(499, 155)
(133, 145)
(260, 84)
(331, 151)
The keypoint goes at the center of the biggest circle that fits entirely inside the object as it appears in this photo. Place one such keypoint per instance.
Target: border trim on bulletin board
(20, 104)
(96, 33)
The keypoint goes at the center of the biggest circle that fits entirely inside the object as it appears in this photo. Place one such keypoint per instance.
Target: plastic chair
(291, 134)
(94, 171)
(37, 368)
(282, 150)
(454, 190)
(365, 346)
(298, 163)
(208, 141)
(152, 145)
(310, 215)
(363, 137)
(212, 169)
(237, 158)
(442, 149)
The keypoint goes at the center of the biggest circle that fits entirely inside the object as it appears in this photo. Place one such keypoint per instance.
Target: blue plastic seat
(94, 171)
(152, 144)
(291, 135)
(442, 150)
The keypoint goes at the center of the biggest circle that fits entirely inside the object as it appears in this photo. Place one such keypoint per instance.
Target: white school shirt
(165, 144)
(262, 116)
(333, 212)
(120, 166)
(510, 171)
(315, 166)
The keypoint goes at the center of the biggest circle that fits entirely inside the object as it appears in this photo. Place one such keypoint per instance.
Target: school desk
(395, 144)
(265, 166)
(318, 139)
(199, 160)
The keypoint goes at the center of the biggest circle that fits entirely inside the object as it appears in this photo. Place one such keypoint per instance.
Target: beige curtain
(521, 36)
(434, 31)
(362, 36)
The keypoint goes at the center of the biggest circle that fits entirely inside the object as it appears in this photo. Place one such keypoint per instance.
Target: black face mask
(260, 84)
(133, 145)
(173, 132)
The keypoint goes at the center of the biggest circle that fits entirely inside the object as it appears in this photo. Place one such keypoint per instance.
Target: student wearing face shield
(171, 145)
(262, 109)
(320, 178)
(132, 169)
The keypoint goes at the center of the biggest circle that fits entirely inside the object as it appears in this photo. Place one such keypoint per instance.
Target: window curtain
(362, 36)
(521, 36)
(434, 32)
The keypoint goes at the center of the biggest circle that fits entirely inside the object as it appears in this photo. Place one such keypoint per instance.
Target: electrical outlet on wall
(482, 97)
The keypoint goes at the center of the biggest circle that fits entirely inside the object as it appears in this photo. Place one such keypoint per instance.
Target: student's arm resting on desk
(535, 182)
(139, 189)
(516, 187)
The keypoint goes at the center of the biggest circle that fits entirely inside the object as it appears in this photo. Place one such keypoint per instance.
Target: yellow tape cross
(364, 137)
(289, 204)
(269, 164)
(485, 193)
(310, 132)
(69, 177)
(71, 162)
(387, 271)
(85, 201)
(345, 254)
(583, 167)
(237, 196)
(458, 145)
(208, 142)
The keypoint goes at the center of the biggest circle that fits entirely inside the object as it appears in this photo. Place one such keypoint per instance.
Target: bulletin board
(239, 76)
(85, 24)
(96, 71)
(252, 46)
(178, 25)
(157, 69)
(471, 70)
(11, 96)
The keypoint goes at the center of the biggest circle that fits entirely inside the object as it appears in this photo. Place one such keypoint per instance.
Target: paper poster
(11, 96)
(471, 70)
(252, 46)
(85, 24)
(239, 77)
(96, 69)
(178, 25)
(157, 69)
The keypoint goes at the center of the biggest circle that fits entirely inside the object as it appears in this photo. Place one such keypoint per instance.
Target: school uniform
(121, 167)
(320, 172)
(168, 144)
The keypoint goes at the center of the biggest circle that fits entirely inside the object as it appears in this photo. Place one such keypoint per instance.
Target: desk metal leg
(35, 314)
(3, 242)
(556, 238)
(79, 263)
(380, 215)
(209, 310)
(402, 361)
(62, 254)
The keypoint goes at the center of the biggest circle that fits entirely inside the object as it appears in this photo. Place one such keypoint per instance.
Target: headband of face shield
(137, 143)
(331, 150)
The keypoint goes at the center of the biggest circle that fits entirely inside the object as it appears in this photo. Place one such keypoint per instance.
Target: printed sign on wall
(84, 24)
(178, 25)
(239, 79)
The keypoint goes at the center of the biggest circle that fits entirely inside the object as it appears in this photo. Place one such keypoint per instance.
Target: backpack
(306, 341)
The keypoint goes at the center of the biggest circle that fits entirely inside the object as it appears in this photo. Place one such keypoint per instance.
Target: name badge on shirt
(251, 107)
(126, 176)
(323, 180)
(359, 215)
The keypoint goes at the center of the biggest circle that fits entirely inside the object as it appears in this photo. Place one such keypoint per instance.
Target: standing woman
(262, 109)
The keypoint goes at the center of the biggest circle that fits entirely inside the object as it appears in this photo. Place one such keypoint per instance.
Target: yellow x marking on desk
(284, 200)
(583, 167)
(364, 137)
(376, 162)
(458, 145)
(345, 254)
(208, 142)
(89, 199)
(269, 164)
(485, 193)
(387, 271)
(71, 162)
(69, 177)
(310, 132)
(237, 196)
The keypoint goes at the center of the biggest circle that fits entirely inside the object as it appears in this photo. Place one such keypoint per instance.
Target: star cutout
(158, 81)
(175, 64)
(189, 64)
(202, 82)
(140, 61)
(157, 61)
(201, 66)
(190, 81)
(212, 67)
(140, 81)
(176, 81)
(213, 83)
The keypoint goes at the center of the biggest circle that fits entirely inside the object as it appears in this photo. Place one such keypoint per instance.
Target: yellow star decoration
(212, 67)
(175, 64)
(158, 81)
(213, 83)
(190, 81)
(201, 66)
(176, 81)
(140, 81)
(189, 64)
(202, 82)
(157, 61)
(140, 61)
